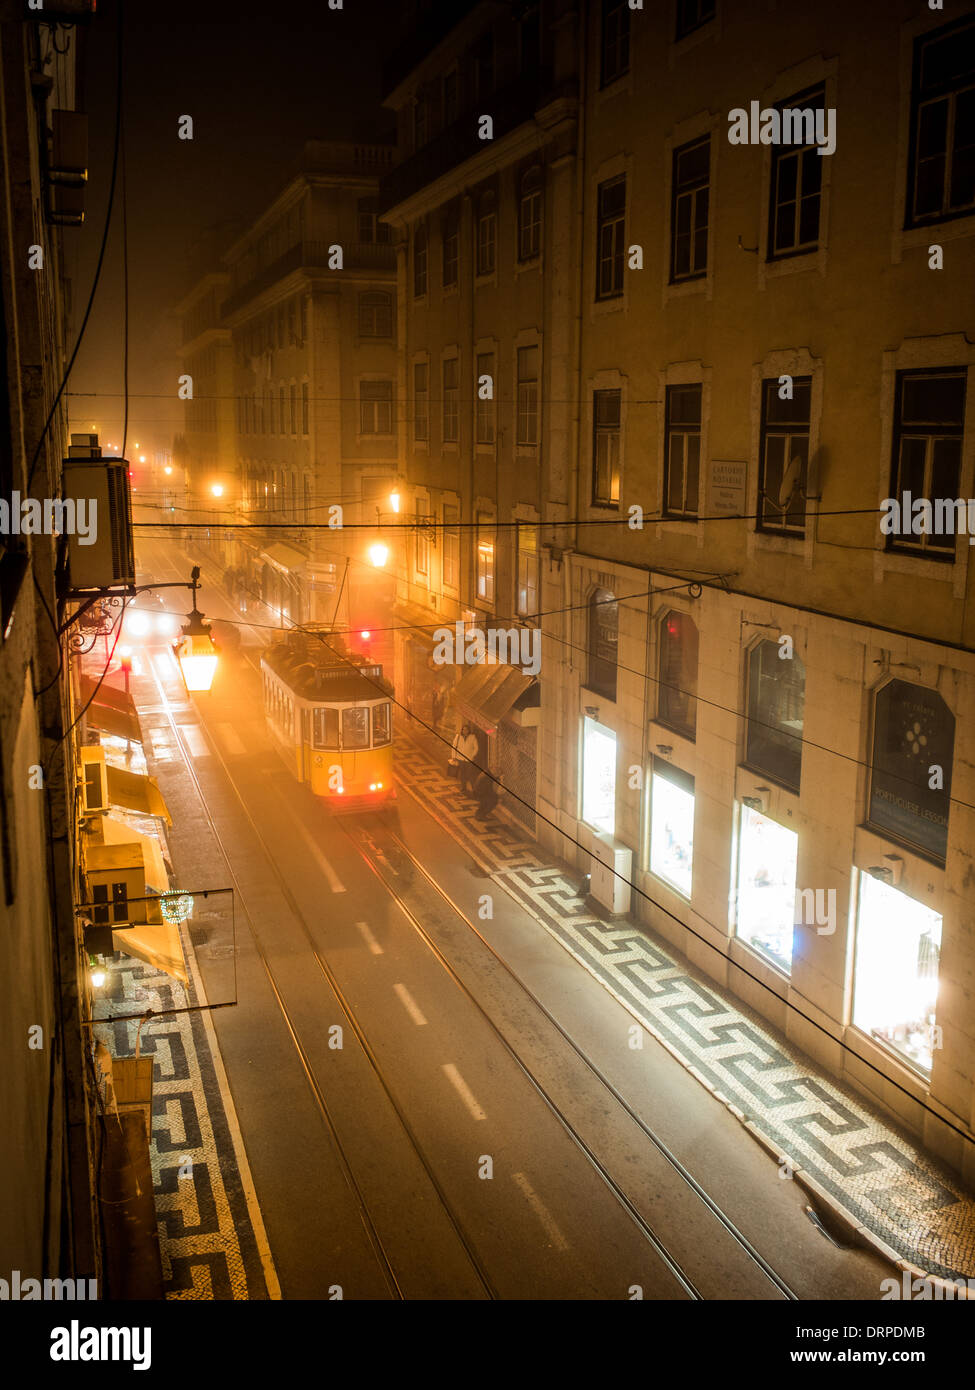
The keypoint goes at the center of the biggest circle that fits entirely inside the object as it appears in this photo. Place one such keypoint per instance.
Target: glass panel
(671, 833)
(326, 728)
(767, 854)
(776, 702)
(380, 724)
(599, 777)
(933, 400)
(895, 991)
(355, 727)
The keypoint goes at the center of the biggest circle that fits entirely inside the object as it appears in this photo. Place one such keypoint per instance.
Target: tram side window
(355, 727)
(380, 724)
(326, 728)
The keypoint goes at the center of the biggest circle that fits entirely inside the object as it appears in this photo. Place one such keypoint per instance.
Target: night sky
(258, 79)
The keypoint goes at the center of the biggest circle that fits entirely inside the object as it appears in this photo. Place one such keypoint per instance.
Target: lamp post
(195, 651)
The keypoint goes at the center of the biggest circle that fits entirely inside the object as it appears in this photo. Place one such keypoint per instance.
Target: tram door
(305, 751)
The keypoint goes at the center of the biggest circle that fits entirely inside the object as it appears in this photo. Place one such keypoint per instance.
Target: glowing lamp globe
(379, 554)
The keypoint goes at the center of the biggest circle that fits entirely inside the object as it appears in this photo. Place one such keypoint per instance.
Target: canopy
(487, 692)
(136, 792)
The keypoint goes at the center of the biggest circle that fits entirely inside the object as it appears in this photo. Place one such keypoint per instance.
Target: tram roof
(317, 665)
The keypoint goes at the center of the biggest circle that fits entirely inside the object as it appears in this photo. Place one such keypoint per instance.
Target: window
(355, 727)
(527, 596)
(304, 407)
(614, 41)
(606, 448)
(381, 724)
(797, 179)
(929, 421)
(672, 825)
(484, 414)
(677, 672)
(610, 235)
(689, 210)
(765, 908)
(784, 455)
(603, 643)
(367, 222)
(693, 14)
(375, 407)
(682, 459)
(422, 552)
(895, 985)
(450, 104)
(421, 403)
(526, 431)
(419, 262)
(293, 403)
(451, 546)
(486, 230)
(598, 776)
(530, 215)
(420, 122)
(485, 558)
(776, 703)
(941, 181)
(451, 404)
(375, 315)
(326, 728)
(913, 731)
(483, 56)
(282, 426)
(306, 497)
(451, 247)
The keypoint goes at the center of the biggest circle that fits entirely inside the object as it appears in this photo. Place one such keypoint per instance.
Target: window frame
(776, 430)
(485, 412)
(614, 222)
(485, 559)
(778, 154)
(420, 261)
(685, 430)
(683, 28)
(602, 601)
(690, 188)
(531, 190)
(921, 546)
(602, 430)
(762, 727)
(919, 100)
(377, 402)
(617, 42)
(423, 396)
(373, 306)
(527, 397)
(527, 558)
(452, 400)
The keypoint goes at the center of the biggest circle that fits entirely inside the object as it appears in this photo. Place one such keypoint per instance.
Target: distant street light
(217, 489)
(378, 554)
(167, 470)
(394, 501)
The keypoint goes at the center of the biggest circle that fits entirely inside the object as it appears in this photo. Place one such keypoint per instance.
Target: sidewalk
(849, 1157)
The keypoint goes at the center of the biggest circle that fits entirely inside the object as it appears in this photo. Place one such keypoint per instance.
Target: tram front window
(326, 728)
(380, 725)
(355, 728)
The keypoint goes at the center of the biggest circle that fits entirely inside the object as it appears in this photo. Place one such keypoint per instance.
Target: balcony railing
(508, 109)
(311, 255)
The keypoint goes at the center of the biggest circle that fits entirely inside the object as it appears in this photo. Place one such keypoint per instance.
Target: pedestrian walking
(463, 752)
(487, 793)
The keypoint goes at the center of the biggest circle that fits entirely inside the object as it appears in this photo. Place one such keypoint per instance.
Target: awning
(116, 832)
(112, 710)
(136, 792)
(284, 557)
(487, 692)
(108, 695)
(159, 946)
(417, 623)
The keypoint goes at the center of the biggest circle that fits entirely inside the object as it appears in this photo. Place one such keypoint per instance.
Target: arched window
(530, 214)
(603, 642)
(420, 261)
(913, 747)
(677, 673)
(776, 703)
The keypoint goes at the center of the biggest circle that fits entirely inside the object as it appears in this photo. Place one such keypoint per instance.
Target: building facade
(754, 329)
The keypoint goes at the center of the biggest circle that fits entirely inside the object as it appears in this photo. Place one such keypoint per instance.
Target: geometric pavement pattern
(206, 1236)
(901, 1200)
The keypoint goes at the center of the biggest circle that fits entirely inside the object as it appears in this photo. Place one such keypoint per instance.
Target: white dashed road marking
(464, 1091)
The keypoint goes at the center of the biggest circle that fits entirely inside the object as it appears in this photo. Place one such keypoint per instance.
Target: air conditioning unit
(610, 872)
(94, 781)
(105, 559)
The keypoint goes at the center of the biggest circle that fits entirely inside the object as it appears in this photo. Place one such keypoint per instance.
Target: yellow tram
(329, 711)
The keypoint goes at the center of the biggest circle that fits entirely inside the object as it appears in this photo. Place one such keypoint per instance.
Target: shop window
(603, 643)
(913, 747)
(895, 989)
(766, 892)
(776, 704)
(598, 777)
(677, 671)
(672, 826)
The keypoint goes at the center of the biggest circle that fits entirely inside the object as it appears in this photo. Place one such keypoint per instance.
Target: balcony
(311, 256)
(509, 108)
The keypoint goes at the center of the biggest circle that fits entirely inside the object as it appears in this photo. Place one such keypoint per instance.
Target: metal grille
(516, 757)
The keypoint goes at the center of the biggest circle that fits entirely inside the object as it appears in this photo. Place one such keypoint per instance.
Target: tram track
(658, 1143)
(372, 1231)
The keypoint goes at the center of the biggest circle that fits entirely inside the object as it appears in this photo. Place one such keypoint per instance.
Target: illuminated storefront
(767, 854)
(895, 989)
(672, 826)
(598, 776)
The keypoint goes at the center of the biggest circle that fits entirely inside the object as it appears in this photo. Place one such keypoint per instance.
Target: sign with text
(726, 494)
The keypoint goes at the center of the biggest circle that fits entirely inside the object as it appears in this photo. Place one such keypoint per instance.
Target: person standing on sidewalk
(464, 751)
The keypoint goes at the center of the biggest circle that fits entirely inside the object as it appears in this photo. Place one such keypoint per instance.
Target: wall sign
(726, 492)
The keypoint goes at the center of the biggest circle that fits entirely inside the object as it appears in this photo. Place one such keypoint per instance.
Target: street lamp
(195, 652)
(394, 501)
(217, 489)
(379, 554)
